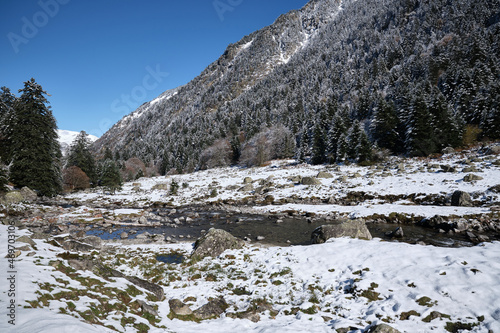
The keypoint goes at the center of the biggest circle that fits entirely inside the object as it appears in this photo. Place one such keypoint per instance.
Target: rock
(447, 168)
(178, 308)
(295, 179)
(493, 150)
(460, 198)
(323, 174)
(469, 169)
(343, 228)
(247, 180)
(157, 290)
(448, 150)
(212, 309)
(145, 307)
(310, 181)
(246, 188)
(144, 235)
(143, 220)
(471, 177)
(123, 235)
(260, 238)
(13, 197)
(382, 328)
(28, 194)
(93, 241)
(397, 233)
(26, 239)
(161, 187)
(214, 242)
(74, 245)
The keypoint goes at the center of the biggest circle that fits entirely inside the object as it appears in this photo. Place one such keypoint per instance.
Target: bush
(75, 179)
(217, 155)
(273, 143)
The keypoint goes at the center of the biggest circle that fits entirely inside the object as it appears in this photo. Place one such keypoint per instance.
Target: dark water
(171, 258)
(292, 231)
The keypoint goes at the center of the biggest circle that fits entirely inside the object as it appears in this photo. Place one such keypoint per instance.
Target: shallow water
(292, 231)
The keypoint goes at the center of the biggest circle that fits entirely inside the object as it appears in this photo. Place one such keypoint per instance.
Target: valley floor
(344, 284)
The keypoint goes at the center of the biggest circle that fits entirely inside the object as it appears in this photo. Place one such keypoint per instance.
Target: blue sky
(99, 60)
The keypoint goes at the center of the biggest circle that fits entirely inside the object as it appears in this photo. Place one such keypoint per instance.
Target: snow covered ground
(340, 284)
(344, 283)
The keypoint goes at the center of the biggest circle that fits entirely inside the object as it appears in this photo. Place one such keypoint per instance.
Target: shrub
(75, 179)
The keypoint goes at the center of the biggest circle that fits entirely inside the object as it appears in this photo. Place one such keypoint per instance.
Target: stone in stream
(397, 233)
(343, 228)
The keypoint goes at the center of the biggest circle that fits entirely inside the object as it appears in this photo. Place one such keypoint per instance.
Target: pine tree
(81, 156)
(35, 150)
(364, 148)
(110, 176)
(7, 100)
(420, 139)
(318, 154)
(3, 179)
(384, 126)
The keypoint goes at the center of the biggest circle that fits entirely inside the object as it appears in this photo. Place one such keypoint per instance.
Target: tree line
(30, 153)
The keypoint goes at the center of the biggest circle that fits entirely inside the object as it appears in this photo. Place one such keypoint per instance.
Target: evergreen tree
(81, 156)
(35, 150)
(3, 179)
(108, 154)
(7, 100)
(110, 176)
(384, 126)
(364, 148)
(318, 154)
(420, 139)
(444, 125)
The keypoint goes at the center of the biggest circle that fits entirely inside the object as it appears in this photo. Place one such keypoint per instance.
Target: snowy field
(344, 284)
(340, 284)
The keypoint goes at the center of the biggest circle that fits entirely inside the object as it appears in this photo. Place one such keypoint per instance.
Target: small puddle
(171, 258)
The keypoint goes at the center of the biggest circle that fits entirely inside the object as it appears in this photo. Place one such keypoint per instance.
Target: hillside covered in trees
(334, 81)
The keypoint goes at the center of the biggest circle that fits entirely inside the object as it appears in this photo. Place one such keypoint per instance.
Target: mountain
(338, 76)
(66, 138)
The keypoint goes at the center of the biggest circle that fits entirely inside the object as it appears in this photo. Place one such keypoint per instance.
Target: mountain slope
(411, 74)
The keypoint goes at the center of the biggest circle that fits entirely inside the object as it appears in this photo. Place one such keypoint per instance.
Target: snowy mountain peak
(66, 138)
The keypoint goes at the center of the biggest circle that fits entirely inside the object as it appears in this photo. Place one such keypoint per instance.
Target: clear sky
(100, 59)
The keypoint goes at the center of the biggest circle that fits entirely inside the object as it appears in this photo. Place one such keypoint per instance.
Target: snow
(67, 137)
(315, 288)
(462, 283)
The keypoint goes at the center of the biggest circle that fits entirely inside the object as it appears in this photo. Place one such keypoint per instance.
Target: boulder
(178, 308)
(461, 198)
(26, 239)
(214, 242)
(247, 188)
(161, 187)
(323, 174)
(447, 168)
(343, 228)
(310, 181)
(448, 150)
(471, 177)
(397, 233)
(247, 180)
(382, 328)
(156, 289)
(212, 309)
(493, 150)
(28, 194)
(13, 197)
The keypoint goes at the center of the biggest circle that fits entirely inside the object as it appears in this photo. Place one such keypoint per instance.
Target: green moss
(133, 291)
(458, 326)
(277, 282)
(426, 301)
(407, 315)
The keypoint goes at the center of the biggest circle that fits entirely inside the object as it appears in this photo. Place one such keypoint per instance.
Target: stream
(292, 230)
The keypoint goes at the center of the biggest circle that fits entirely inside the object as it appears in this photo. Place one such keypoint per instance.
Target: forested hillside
(331, 82)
